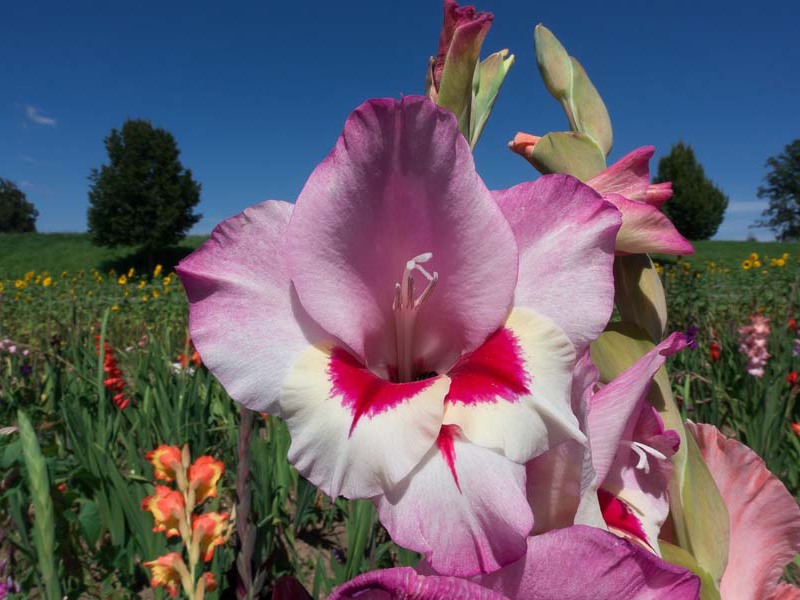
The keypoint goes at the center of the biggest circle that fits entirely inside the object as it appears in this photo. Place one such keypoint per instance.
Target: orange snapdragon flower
(204, 473)
(208, 532)
(166, 460)
(167, 570)
(167, 507)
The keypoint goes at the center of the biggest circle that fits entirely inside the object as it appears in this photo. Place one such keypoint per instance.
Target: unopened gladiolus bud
(204, 474)
(167, 507)
(209, 531)
(523, 144)
(210, 581)
(553, 61)
(166, 460)
(168, 571)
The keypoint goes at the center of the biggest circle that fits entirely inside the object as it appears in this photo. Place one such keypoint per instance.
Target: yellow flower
(747, 264)
(141, 285)
(155, 293)
(145, 298)
(757, 264)
(115, 308)
(785, 256)
(19, 284)
(122, 280)
(131, 271)
(1, 287)
(47, 281)
(659, 268)
(781, 262)
(754, 256)
(157, 271)
(167, 280)
(29, 275)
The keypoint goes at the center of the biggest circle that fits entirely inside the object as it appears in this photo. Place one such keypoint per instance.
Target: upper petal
(566, 234)
(764, 517)
(513, 394)
(353, 433)
(629, 176)
(583, 562)
(616, 406)
(401, 182)
(463, 507)
(243, 316)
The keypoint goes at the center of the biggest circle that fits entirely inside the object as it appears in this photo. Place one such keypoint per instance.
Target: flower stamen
(642, 450)
(405, 308)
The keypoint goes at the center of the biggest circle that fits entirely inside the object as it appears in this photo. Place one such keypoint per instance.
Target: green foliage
(782, 189)
(698, 206)
(17, 215)
(144, 196)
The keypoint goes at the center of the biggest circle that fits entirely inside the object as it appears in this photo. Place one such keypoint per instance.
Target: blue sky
(257, 92)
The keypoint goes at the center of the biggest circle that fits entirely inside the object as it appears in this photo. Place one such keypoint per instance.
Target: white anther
(405, 307)
(642, 450)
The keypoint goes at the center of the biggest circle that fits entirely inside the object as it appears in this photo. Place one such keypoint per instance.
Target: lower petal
(463, 507)
(513, 394)
(583, 562)
(353, 433)
(405, 582)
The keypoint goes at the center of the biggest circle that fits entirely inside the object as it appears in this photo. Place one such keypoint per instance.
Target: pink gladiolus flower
(753, 343)
(416, 331)
(627, 185)
(620, 481)
(567, 564)
(764, 518)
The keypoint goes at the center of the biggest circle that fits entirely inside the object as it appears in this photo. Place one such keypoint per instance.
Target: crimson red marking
(494, 370)
(446, 444)
(363, 392)
(619, 516)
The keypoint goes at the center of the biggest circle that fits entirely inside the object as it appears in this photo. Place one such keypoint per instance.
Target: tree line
(145, 197)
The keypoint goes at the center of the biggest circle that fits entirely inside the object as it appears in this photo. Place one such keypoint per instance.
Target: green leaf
(489, 77)
(553, 62)
(568, 152)
(678, 556)
(89, 519)
(589, 110)
(639, 294)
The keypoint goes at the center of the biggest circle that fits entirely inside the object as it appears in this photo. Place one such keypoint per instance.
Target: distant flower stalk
(114, 381)
(753, 343)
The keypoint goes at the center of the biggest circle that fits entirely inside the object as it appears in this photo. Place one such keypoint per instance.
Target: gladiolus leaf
(639, 294)
(554, 63)
(568, 152)
(486, 85)
(589, 110)
(678, 556)
(698, 512)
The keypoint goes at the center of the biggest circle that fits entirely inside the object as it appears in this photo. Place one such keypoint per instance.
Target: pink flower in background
(626, 184)
(416, 331)
(566, 564)
(753, 340)
(764, 518)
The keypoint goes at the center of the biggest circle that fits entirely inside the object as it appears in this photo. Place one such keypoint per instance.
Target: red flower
(792, 378)
(796, 427)
(714, 351)
(792, 325)
(114, 381)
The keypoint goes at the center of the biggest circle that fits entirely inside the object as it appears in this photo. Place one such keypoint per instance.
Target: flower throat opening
(405, 307)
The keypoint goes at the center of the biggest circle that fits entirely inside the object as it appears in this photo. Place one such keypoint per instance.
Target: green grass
(57, 252)
(734, 252)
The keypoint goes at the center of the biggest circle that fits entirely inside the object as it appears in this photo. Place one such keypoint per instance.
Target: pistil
(405, 308)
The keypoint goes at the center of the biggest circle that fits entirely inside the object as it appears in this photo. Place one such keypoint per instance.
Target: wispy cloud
(749, 206)
(35, 115)
(25, 184)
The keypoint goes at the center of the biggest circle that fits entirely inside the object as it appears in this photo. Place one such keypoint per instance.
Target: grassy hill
(56, 252)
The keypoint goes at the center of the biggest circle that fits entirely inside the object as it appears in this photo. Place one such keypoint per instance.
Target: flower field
(96, 416)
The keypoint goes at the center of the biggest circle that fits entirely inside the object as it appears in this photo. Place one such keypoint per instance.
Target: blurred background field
(66, 307)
